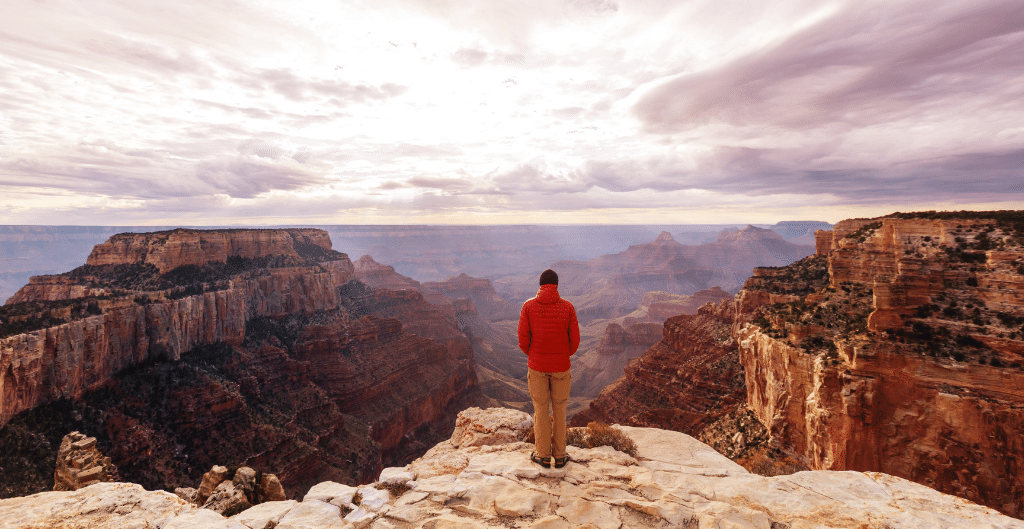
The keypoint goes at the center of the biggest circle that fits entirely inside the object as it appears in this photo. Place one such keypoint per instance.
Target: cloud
(395, 151)
(537, 177)
(469, 56)
(247, 178)
(442, 183)
(863, 65)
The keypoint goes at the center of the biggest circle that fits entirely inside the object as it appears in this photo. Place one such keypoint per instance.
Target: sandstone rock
(476, 427)
(202, 518)
(331, 492)
(211, 480)
(396, 391)
(171, 249)
(99, 506)
(245, 481)
(312, 514)
(674, 482)
(265, 515)
(186, 493)
(227, 499)
(80, 463)
(271, 488)
(396, 476)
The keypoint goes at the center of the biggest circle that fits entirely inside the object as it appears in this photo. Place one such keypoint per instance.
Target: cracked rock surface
(674, 481)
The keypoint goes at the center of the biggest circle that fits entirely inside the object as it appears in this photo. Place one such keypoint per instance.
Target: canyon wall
(682, 383)
(906, 358)
(287, 363)
(68, 359)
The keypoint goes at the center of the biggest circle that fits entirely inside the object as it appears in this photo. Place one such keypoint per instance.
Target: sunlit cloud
(445, 111)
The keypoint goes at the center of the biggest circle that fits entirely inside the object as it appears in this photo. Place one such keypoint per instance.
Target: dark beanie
(548, 277)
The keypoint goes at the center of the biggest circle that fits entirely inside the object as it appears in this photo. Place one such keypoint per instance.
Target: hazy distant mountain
(614, 285)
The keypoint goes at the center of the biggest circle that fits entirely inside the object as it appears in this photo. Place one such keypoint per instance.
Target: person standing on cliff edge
(549, 334)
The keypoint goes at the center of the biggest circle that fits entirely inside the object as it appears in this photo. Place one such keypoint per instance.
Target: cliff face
(68, 359)
(277, 359)
(682, 383)
(170, 249)
(595, 369)
(488, 304)
(905, 358)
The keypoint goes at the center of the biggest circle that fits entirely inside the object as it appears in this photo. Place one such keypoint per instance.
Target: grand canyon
(887, 345)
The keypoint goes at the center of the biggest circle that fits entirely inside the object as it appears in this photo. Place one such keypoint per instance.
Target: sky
(225, 112)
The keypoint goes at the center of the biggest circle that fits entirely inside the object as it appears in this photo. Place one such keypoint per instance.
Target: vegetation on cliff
(950, 326)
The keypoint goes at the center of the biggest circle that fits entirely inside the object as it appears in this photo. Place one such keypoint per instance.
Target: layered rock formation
(682, 383)
(674, 481)
(656, 307)
(620, 344)
(487, 303)
(274, 360)
(905, 357)
(80, 463)
(898, 348)
(168, 250)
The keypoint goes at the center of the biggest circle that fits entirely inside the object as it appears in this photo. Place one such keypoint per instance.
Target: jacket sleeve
(524, 332)
(574, 331)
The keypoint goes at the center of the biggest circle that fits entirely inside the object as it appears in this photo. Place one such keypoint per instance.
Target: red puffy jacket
(548, 331)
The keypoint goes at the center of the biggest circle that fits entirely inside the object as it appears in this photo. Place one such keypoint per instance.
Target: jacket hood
(548, 294)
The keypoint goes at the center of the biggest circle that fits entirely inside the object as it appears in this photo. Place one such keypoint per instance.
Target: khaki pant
(549, 389)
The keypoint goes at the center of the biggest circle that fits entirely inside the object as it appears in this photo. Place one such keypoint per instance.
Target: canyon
(192, 348)
(896, 348)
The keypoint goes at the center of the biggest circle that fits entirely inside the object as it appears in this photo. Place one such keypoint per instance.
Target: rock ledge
(675, 481)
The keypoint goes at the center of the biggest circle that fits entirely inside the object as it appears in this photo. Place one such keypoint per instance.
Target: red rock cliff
(170, 249)
(682, 383)
(905, 358)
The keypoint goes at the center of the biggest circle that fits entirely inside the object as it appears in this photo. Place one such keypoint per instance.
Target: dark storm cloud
(861, 66)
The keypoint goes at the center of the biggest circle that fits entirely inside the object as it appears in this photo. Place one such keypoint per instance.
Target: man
(549, 334)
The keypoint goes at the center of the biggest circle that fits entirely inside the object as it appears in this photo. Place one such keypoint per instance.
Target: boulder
(476, 427)
(227, 499)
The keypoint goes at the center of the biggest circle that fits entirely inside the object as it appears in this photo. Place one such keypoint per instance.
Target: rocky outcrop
(674, 481)
(488, 304)
(905, 358)
(228, 493)
(170, 249)
(80, 463)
